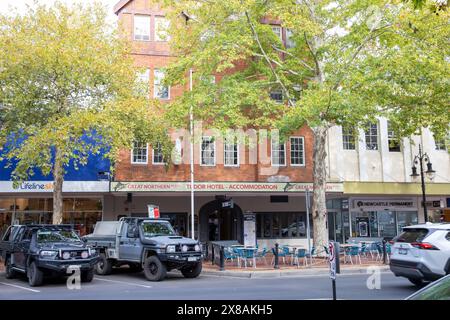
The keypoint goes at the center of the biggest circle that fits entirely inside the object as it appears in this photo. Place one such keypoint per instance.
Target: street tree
(339, 63)
(68, 90)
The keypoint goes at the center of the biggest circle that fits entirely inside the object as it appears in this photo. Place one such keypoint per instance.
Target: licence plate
(403, 251)
(192, 259)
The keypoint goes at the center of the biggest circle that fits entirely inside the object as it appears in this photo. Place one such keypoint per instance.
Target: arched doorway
(217, 223)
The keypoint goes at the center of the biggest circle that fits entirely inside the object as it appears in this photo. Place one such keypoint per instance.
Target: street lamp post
(420, 159)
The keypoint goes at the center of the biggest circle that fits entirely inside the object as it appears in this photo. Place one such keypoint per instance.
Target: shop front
(381, 217)
(279, 209)
(32, 202)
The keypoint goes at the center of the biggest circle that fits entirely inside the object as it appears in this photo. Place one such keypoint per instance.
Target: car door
(18, 252)
(129, 246)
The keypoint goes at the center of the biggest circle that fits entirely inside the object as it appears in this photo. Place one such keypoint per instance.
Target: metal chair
(262, 255)
(301, 253)
(352, 252)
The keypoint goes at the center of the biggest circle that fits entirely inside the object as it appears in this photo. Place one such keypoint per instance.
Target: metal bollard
(206, 251)
(212, 254)
(276, 266)
(222, 259)
(384, 252)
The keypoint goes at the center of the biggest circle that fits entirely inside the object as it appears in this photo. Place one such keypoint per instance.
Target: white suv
(422, 252)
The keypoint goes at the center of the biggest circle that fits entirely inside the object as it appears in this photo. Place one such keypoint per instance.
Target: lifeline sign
(153, 211)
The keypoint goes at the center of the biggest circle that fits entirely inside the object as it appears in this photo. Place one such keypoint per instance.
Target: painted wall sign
(218, 187)
(47, 186)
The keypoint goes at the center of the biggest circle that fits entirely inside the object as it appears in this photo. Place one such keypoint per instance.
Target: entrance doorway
(218, 223)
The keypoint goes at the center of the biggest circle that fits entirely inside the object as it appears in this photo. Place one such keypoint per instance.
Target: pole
(191, 130)
(308, 231)
(424, 200)
(334, 288)
(276, 265)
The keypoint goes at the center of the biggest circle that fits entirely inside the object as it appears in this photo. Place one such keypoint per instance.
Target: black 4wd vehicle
(144, 243)
(38, 250)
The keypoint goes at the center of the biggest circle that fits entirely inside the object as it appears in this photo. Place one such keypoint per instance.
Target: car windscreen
(154, 228)
(440, 290)
(412, 235)
(45, 235)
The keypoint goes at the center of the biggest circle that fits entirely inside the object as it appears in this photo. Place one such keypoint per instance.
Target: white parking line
(123, 282)
(20, 287)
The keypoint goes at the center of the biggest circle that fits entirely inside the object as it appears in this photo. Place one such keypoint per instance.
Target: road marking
(124, 282)
(20, 287)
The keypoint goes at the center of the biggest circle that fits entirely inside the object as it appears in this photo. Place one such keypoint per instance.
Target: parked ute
(143, 243)
(421, 253)
(39, 250)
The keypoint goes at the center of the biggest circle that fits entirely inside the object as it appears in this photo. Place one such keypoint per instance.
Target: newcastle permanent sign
(218, 187)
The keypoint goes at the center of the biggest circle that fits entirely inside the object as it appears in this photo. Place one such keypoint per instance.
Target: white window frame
(155, 85)
(378, 136)
(289, 43)
(144, 78)
(156, 37)
(235, 143)
(391, 136)
(271, 154)
(146, 155)
(214, 150)
(147, 17)
(345, 134)
(302, 150)
(276, 33)
(153, 158)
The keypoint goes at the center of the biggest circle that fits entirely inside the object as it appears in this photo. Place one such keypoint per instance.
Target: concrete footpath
(277, 273)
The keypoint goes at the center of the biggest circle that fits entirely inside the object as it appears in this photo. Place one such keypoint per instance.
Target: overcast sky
(21, 5)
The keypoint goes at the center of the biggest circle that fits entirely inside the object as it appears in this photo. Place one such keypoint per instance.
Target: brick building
(267, 180)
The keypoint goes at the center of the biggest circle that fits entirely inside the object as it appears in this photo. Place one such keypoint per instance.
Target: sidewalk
(319, 268)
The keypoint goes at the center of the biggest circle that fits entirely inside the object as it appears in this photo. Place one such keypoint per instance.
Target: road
(123, 286)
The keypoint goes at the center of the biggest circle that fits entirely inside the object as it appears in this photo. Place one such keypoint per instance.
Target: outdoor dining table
(294, 251)
(245, 250)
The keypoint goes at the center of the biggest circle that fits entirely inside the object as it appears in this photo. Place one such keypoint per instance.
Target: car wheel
(104, 265)
(154, 270)
(9, 272)
(192, 272)
(135, 267)
(417, 282)
(35, 275)
(87, 276)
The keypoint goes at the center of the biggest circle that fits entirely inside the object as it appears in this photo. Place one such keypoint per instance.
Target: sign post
(153, 211)
(334, 264)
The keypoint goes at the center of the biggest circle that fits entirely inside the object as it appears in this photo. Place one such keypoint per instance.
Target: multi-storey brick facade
(365, 195)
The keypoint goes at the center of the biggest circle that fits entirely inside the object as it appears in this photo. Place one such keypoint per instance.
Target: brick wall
(154, 55)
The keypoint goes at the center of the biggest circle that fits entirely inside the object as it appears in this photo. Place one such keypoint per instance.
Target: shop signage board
(273, 187)
(249, 229)
(47, 186)
(382, 204)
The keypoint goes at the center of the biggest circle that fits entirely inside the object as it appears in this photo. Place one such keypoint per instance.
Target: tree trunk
(58, 179)
(319, 209)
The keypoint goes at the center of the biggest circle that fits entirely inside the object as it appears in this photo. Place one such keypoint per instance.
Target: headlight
(170, 249)
(92, 252)
(66, 255)
(84, 255)
(48, 253)
(197, 248)
(184, 248)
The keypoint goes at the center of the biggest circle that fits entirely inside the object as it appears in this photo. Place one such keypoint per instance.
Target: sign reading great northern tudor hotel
(219, 187)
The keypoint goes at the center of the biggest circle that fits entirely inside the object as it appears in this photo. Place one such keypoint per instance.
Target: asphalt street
(123, 285)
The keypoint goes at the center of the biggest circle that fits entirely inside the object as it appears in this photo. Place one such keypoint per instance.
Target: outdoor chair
(228, 254)
(352, 252)
(261, 255)
(373, 250)
(301, 253)
(312, 255)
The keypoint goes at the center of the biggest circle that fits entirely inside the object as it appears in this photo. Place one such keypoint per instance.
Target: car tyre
(9, 272)
(87, 276)
(154, 269)
(417, 282)
(192, 272)
(135, 267)
(35, 275)
(104, 265)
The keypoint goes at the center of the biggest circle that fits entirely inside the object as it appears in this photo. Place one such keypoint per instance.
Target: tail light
(392, 242)
(424, 246)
